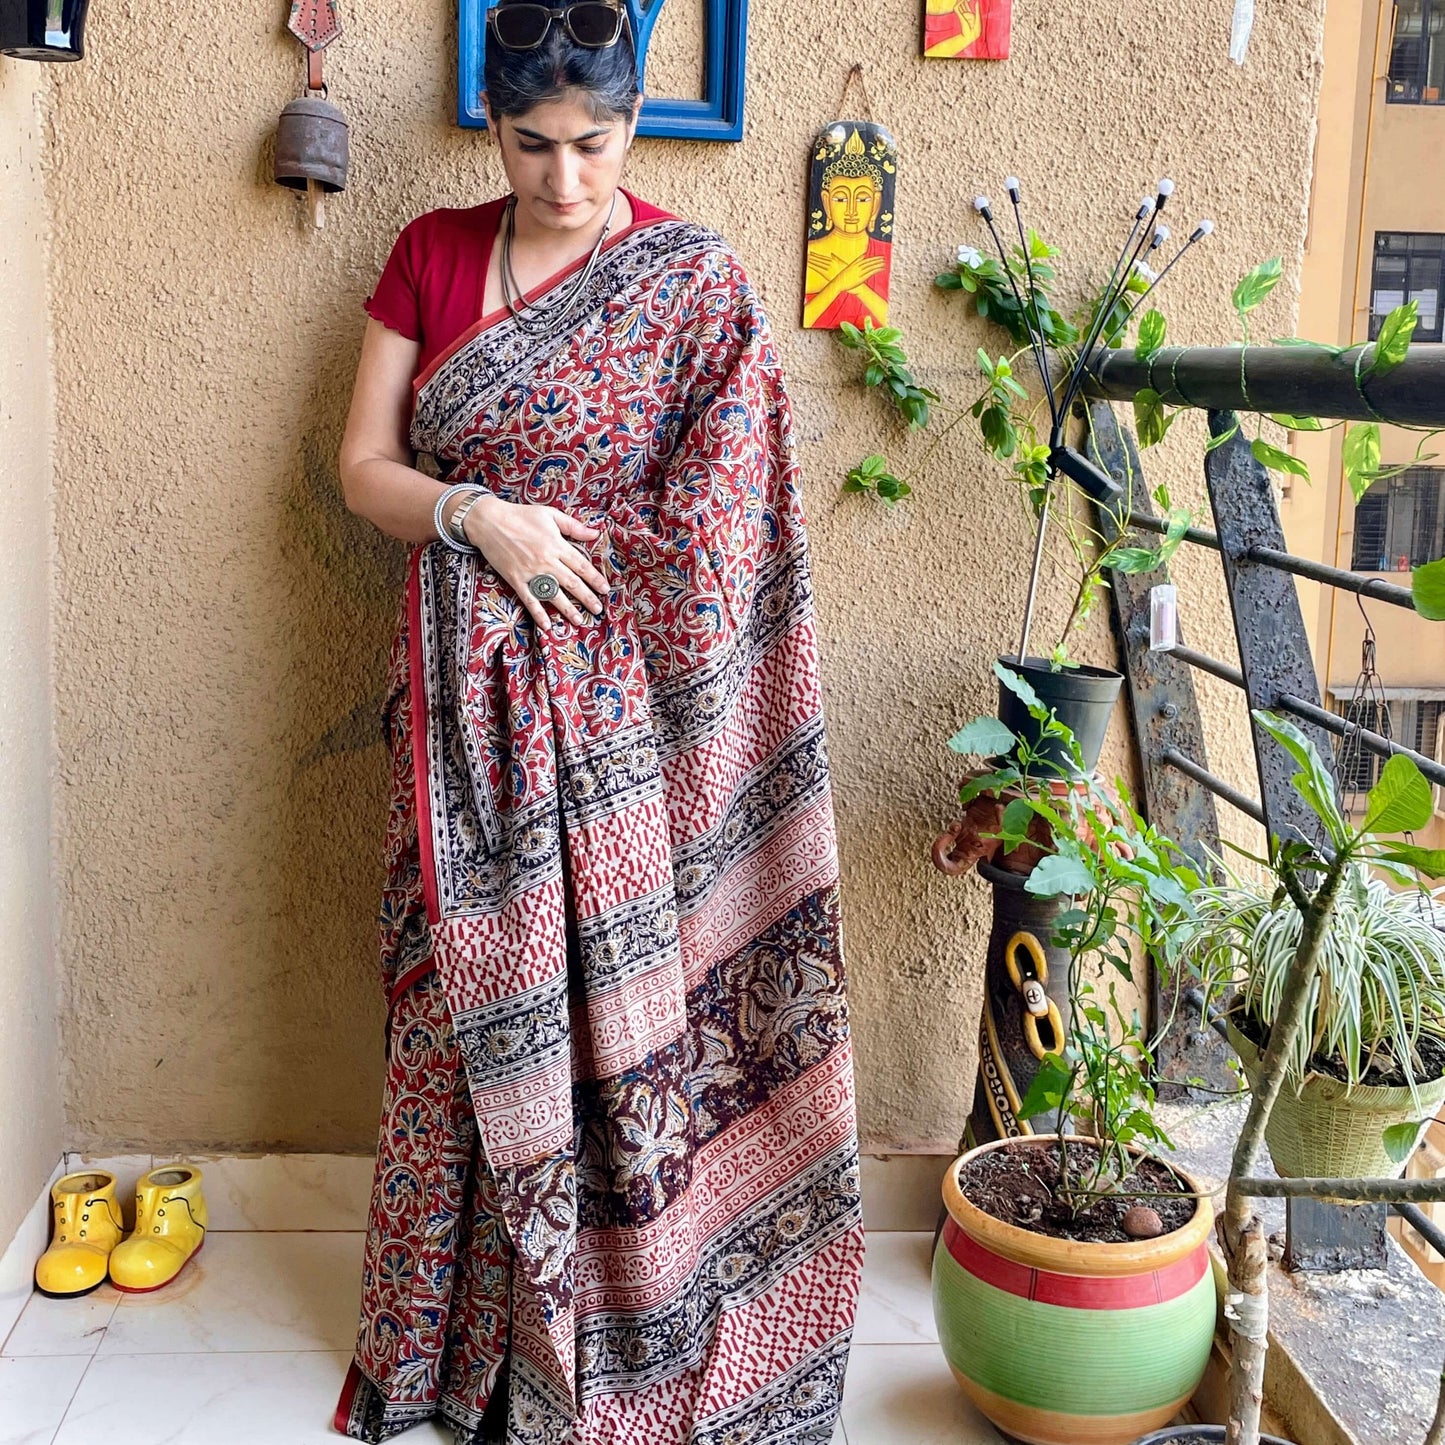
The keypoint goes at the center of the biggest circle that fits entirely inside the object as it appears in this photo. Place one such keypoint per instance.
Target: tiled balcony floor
(250, 1345)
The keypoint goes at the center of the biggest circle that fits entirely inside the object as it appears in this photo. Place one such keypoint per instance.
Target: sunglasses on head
(592, 24)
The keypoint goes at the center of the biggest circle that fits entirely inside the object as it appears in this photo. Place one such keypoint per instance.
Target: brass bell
(312, 150)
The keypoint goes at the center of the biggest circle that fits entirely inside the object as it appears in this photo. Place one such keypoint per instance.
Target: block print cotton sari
(616, 1196)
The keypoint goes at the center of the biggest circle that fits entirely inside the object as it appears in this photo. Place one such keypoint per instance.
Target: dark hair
(517, 80)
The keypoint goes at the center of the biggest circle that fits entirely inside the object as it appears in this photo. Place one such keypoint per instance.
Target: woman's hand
(523, 541)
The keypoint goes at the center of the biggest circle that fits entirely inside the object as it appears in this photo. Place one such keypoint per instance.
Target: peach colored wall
(222, 622)
(31, 1136)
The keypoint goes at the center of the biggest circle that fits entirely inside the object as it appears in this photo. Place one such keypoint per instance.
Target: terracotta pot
(1067, 1343)
(1327, 1130)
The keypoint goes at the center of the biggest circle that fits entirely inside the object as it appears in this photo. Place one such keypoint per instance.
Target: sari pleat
(618, 1142)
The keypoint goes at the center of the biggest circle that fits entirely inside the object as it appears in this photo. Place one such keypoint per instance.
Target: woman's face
(563, 163)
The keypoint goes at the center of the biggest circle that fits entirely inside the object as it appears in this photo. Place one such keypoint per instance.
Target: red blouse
(432, 286)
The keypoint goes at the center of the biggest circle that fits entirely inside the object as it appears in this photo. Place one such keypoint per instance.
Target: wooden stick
(316, 201)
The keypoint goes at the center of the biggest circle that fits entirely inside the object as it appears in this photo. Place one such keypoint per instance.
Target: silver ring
(544, 587)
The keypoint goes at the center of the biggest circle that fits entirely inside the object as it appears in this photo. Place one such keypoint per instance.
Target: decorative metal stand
(1026, 1009)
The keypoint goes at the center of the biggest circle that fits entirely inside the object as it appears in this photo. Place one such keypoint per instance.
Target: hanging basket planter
(1326, 1130)
(1062, 1342)
(1081, 697)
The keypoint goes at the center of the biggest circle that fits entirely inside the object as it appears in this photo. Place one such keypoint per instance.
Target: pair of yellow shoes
(170, 1227)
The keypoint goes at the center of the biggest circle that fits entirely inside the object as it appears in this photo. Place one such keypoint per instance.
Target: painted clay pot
(1327, 1130)
(1066, 1343)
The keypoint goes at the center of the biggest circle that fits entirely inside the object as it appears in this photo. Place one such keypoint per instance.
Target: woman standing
(616, 1196)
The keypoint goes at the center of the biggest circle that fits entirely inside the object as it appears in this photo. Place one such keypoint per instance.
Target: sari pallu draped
(618, 1133)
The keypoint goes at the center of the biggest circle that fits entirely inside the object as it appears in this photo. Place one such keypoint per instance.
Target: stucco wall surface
(222, 622)
(30, 1092)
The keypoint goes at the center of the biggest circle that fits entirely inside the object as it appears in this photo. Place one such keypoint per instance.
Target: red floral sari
(618, 1145)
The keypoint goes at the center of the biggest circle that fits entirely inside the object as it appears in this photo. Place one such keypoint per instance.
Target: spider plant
(1380, 987)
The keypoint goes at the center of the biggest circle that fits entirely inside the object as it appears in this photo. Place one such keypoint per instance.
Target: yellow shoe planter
(87, 1230)
(170, 1227)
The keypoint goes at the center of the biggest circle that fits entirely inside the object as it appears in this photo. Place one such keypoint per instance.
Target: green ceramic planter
(1064, 1343)
(1329, 1131)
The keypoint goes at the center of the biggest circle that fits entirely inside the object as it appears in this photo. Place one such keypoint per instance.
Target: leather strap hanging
(315, 24)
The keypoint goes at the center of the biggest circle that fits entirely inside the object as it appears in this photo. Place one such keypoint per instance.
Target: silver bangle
(443, 534)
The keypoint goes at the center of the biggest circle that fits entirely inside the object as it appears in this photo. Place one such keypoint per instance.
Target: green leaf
(1427, 584)
(984, 737)
(1256, 285)
(850, 336)
(1400, 1141)
(1362, 457)
(1018, 818)
(1429, 861)
(1049, 1089)
(1313, 782)
(1152, 330)
(1401, 801)
(993, 783)
(948, 281)
(1392, 345)
(1151, 423)
(1296, 423)
(1310, 345)
(1277, 460)
(1214, 443)
(1021, 690)
(1131, 560)
(1056, 875)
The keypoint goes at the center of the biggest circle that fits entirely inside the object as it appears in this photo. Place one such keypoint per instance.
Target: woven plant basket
(1328, 1131)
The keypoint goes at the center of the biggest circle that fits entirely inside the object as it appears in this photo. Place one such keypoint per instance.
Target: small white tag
(1163, 618)
(1240, 29)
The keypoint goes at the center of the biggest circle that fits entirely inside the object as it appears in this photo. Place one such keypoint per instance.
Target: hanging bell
(312, 150)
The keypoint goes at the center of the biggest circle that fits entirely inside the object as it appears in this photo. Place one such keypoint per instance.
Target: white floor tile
(34, 1395)
(273, 1398)
(896, 1306)
(287, 1191)
(906, 1395)
(62, 1326)
(249, 1292)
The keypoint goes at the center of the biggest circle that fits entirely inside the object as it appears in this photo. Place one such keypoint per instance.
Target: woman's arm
(377, 474)
(380, 484)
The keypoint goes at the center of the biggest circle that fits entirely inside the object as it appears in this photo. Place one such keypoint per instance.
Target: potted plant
(1315, 875)
(1367, 1069)
(1071, 1281)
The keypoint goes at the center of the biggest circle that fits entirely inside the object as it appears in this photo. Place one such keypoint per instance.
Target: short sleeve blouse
(434, 282)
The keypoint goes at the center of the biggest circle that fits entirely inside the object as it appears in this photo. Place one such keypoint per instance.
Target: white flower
(970, 256)
(1147, 272)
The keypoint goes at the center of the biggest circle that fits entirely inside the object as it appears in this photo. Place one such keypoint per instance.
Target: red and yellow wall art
(967, 29)
(850, 226)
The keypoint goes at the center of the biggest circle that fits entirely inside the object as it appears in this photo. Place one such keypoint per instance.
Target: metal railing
(1275, 673)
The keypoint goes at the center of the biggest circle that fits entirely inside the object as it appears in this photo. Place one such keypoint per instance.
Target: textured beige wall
(30, 1095)
(222, 621)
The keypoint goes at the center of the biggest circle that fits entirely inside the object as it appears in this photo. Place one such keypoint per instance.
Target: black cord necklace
(543, 318)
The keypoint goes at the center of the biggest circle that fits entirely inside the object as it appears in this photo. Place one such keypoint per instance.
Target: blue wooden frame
(717, 116)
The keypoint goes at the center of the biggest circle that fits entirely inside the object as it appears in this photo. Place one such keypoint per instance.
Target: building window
(1417, 53)
(1414, 724)
(1400, 522)
(1409, 266)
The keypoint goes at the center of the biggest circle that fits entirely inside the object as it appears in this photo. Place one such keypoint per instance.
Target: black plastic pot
(43, 29)
(1197, 1435)
(1082, 698)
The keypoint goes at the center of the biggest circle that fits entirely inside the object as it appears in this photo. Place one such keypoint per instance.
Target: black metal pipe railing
(1371, 587)
(1375, 588)
(1372, 742)
(1422, 1224)
(1176, 760)
(1204, 663)
(1300, 381)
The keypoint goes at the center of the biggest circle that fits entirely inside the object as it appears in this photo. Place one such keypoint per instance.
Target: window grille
(1417, 54)
(1409, 266)
(1400, 522)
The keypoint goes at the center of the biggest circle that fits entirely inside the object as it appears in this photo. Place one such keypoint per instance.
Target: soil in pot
(1019, 1187)
(1198, 1435)
(1386, 1075)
